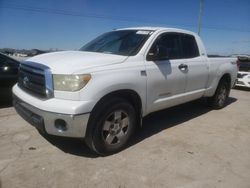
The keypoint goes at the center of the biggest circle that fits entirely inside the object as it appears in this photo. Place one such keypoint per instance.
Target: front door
(166, 78)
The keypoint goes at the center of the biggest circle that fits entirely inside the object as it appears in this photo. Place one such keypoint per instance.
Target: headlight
(73, 82)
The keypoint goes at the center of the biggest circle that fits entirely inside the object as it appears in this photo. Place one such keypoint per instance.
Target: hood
(68, 62)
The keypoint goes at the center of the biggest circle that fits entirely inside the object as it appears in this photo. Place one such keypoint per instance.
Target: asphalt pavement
(188, 146)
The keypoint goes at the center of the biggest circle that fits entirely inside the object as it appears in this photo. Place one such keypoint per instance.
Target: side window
(189, 45)
(170, 42)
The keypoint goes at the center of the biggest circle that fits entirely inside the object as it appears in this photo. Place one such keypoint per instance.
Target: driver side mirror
(159, 52)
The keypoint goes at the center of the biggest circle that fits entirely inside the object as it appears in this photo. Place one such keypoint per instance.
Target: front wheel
(112, 126)
(220, 97)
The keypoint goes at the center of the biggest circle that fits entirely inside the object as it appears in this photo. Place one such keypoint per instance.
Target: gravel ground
(186, 146)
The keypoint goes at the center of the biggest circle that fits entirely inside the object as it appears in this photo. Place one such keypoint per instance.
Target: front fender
(103, 83)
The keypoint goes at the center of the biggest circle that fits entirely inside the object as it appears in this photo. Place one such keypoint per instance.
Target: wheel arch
(130, 95)
(127, 94)
(215, 100)
(225, 77)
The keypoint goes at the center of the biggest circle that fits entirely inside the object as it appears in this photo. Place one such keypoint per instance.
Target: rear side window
(189, 46)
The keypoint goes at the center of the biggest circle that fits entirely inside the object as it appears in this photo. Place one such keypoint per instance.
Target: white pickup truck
(102, 92)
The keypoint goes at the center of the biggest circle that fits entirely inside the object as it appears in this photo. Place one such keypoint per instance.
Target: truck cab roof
(159, 29)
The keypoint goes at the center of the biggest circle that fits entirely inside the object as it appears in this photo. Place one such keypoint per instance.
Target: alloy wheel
(115, 127)
(222, 95)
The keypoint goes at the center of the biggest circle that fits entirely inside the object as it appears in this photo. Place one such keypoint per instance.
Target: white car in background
(243, 77)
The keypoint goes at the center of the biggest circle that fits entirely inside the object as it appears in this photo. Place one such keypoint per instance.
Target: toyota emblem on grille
(25, 80)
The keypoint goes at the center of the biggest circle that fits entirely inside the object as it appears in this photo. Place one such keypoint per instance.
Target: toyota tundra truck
(102, 92)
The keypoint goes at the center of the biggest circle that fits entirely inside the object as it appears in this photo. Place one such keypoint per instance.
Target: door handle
(183, 67)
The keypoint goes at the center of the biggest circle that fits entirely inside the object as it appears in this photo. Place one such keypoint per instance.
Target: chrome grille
(35, 79)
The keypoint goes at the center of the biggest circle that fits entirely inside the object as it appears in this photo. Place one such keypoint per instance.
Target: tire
(111, 126)
(219, 99)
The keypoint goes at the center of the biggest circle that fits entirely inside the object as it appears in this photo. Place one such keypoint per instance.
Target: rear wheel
(112, 124)
(220, 97)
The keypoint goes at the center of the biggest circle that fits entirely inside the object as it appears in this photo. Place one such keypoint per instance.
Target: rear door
(197, 74)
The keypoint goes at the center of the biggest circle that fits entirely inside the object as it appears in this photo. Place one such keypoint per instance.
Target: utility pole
(200, 16)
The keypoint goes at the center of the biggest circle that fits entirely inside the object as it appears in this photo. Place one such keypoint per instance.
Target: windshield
(122, 42)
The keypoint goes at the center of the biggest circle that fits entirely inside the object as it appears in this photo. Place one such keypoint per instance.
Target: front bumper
(75, 124)
(242, 83)
(243, 79)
